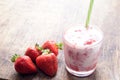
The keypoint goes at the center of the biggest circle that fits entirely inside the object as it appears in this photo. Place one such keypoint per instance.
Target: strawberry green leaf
(45, 51)
(14, 57)
(59, 45)
(38, 47)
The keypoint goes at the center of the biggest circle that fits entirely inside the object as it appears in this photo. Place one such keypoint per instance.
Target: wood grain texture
(25, 22)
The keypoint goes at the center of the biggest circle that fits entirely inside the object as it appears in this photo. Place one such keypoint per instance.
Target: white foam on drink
(78, 35)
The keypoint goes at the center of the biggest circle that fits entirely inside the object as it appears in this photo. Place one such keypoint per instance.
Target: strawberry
(32, 53)
(53, 46)
(23, 64)
(48, 63)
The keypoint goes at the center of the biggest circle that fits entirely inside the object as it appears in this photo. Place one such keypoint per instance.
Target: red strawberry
(48, 63)
(32, 53)
(53, 46)
(23, 64)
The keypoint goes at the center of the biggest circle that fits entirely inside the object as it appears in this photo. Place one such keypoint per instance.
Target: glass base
(80, 74)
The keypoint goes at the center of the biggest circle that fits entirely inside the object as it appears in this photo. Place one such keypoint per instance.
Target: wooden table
(25, 22)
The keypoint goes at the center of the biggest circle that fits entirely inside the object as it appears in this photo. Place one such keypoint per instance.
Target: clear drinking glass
(82, 49)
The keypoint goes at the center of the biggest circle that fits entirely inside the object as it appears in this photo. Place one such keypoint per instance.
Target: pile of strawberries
(44, 57)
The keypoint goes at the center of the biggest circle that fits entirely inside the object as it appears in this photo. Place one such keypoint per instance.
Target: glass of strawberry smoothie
(82, 49)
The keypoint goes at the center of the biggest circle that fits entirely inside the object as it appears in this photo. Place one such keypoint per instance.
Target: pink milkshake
(82, 49)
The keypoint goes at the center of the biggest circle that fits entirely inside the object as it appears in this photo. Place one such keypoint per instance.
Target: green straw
(89, 13)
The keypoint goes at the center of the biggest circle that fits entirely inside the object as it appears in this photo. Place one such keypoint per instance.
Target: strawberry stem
(38, 47)
(14, 57)
(59, 45)
(45, 51)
